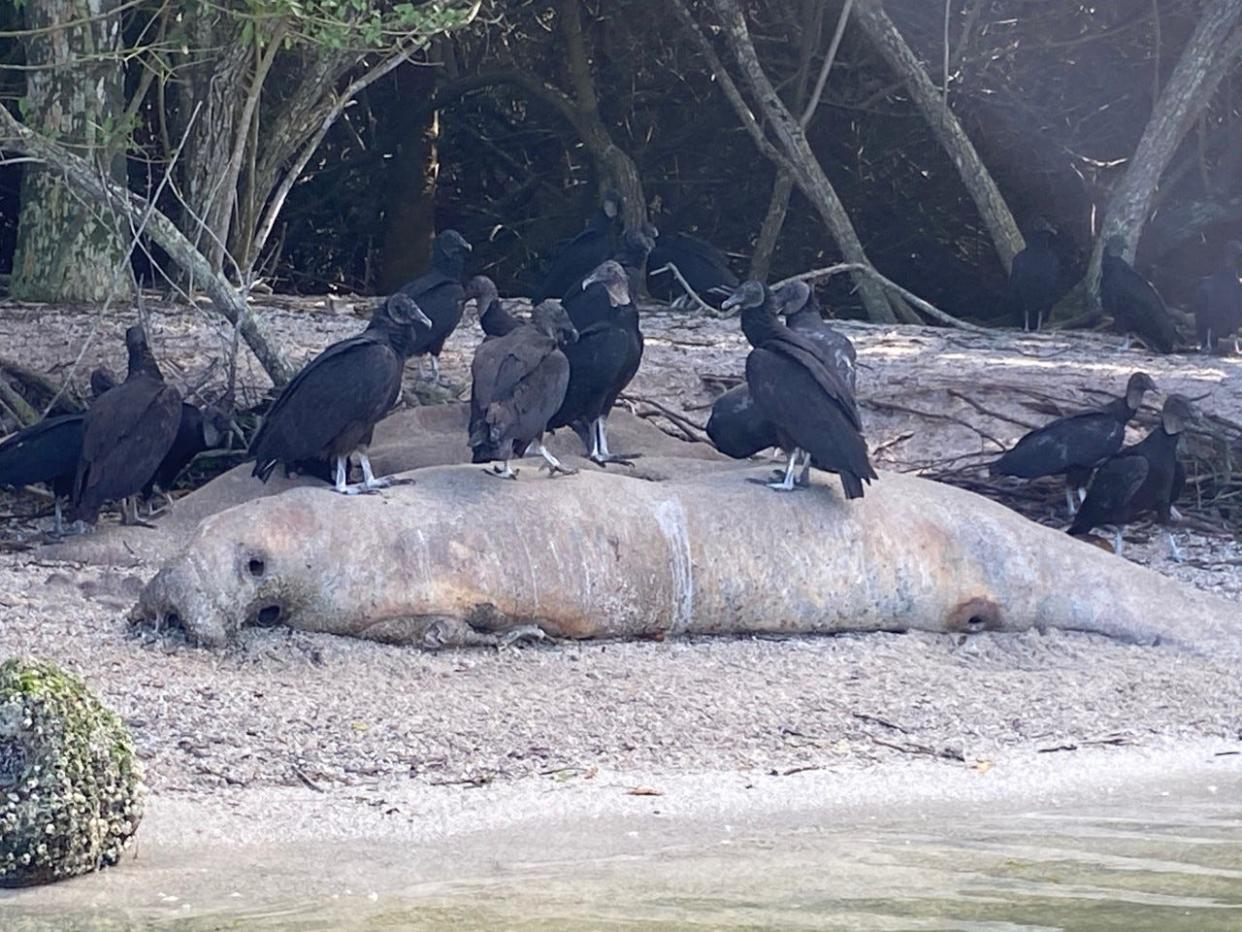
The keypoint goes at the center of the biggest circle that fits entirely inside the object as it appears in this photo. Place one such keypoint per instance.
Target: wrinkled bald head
(612, 276)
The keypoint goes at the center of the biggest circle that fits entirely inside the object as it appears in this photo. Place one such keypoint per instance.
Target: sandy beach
(297, 738)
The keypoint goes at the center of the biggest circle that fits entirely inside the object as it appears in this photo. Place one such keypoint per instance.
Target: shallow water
(1163, 865)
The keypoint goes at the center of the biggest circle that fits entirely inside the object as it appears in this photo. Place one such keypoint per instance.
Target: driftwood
(460, 558)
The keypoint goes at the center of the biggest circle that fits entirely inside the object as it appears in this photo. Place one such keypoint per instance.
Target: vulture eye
(256, 567)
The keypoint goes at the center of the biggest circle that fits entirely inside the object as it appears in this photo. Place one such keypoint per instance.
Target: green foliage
(70, 789)
(352, 24)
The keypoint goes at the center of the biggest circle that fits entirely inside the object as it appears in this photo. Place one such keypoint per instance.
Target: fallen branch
(925, 307)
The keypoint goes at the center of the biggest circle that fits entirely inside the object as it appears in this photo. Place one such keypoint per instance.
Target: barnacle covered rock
(70, 787)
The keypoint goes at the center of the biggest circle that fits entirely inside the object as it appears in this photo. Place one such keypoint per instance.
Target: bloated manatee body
(459, 556)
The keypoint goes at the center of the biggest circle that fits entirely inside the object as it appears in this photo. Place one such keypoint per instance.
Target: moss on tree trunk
(68, 250)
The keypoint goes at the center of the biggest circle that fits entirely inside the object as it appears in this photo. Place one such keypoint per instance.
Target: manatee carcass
(458, 558)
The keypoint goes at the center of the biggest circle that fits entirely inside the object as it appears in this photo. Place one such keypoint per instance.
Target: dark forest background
(493, 126)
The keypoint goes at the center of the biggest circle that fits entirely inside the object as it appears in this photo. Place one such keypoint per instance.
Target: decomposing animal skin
(457, 558)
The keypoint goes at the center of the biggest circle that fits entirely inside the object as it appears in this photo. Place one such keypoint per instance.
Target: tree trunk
(993, 210)
(216, 85)
(795, 155)
(1207, 58)
(615, 163)
(67, 250)
(773, 221)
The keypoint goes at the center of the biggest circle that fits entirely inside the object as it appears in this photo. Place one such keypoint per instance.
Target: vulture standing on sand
(126, 434)
(736, 426)
(700, 264)
(1035, 277)
(810, 405)
(1135, 306)
(329, 410)
(1073, 446)
(439, 295)
(573, 259)
(1142, 478)
(1218, 302)
(603, 361)
(519, 382)
(48, 452)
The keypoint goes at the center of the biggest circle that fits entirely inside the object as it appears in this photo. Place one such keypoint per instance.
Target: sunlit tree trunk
(892, 47)
(1209, 54)
(67, 249)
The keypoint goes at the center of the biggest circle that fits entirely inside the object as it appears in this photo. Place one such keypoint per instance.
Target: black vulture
(1142, 478)
(1073, 446)
(590, 302)
(439, 294)
(494, 320)
(125, 434)
(1135, 306)
(46, 452)
(1035, 277)
(602, 362)
(196, 433)
(574, 258)
(811, 407)
(331, 407)
(519, 382)
(700, 264)
(736, 426)
(797, 302)
(1218, 302)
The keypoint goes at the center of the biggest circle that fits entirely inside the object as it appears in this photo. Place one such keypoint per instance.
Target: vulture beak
(732, 301)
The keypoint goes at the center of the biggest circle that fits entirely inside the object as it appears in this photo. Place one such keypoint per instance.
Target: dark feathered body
(833, 347)
(601, 365)
(1069, 446)
(1073, 446)
(126, 433)
(1141, 479)
(46, 452)
(439, 292)
(701, 264)
(574, 258)
(1217, 307)
(519, 382)
(736, 426)
(1135, 305)
(810, 406)
(331, 407)
(194, 436)
(1035, 279)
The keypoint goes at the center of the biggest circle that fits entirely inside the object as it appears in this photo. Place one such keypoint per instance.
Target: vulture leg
(1026, 321)
(1126, 344)
(502, 472)
(600, 454)
(1039, 321)
(129, 513)
(1082, 493)
(58, 527)
(1174, 514)
(1070, 505)
(805, 478)
(435, 368)
(342, 468)
(369, 481)
(787, 484)
(1175, 554)
(1119, 543)
(553, 465)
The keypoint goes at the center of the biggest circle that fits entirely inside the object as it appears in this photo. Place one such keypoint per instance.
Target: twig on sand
(694, 295)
